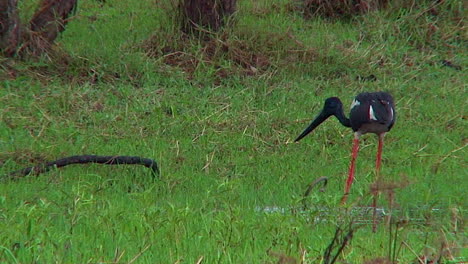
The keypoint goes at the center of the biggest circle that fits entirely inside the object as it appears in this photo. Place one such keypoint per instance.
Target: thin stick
(329, 249)
(346, 240)
(412, 251)
(390, 249)
(395, 243)
(82, 159)
(200, 260)
(138, 255)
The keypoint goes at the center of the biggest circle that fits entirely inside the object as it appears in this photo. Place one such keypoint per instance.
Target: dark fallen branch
(107, 160)
(311, 186)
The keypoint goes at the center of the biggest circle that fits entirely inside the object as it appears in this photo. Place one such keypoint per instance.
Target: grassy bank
(220, 117)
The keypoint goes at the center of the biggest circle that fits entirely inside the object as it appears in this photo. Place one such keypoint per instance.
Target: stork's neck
(342, 118)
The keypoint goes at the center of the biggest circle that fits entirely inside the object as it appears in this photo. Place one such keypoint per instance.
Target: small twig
(391, 249)
(329, 249)
(412, 251)
(346, 240)
(303, 255)
(82, 159)
(139, 254)
(208, 161)
(200, 260)
(437, 164)
(374, 211)
(446, 248)
(117, 256)
(394, 245)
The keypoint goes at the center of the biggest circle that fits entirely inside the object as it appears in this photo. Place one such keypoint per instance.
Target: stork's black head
(333, 106)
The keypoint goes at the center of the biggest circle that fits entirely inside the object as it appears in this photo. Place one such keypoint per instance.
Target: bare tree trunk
(48, 21)
(9, 27)
(211, 15)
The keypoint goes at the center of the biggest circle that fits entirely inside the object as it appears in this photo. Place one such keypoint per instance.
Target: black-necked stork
(370, 113)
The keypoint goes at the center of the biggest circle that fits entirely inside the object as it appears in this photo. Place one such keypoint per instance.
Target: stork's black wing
(369, 108)
(381, 108)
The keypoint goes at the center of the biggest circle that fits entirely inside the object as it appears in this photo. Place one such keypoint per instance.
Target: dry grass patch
(226, 54)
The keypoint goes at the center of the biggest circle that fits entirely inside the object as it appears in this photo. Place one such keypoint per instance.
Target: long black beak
(318, 120)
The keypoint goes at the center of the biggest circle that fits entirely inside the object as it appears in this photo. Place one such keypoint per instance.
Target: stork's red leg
(352, 167)
(379, 155)
(377, 173)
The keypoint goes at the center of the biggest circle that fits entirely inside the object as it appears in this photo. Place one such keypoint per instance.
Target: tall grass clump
(338, 9)
(424, 25)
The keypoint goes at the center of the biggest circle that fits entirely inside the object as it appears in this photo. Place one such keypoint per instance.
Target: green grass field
(232, 181)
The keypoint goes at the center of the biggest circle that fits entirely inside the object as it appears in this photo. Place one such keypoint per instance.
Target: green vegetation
(219, 117)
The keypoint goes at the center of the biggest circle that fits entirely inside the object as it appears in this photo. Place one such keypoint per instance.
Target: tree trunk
(205, 15)
(9, 27)
(48, 21)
